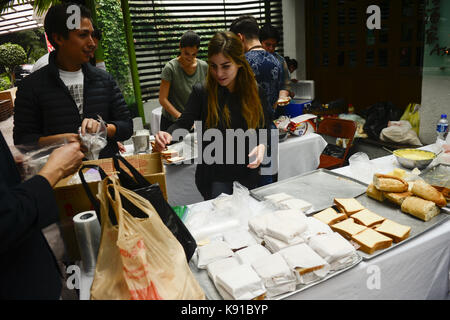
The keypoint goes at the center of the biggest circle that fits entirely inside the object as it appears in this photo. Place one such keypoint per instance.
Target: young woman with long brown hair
(230, 99)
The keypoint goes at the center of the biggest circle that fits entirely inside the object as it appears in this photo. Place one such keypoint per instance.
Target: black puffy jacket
(44, 106)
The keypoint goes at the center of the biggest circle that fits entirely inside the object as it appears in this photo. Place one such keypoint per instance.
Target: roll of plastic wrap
(87, 231)
(215, 229)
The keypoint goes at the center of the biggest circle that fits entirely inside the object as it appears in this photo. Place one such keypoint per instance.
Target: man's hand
(59, 139)
(62, 162)
(161, 140)
(89, 125)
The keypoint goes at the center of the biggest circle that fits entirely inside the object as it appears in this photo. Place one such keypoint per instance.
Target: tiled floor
(52, 232)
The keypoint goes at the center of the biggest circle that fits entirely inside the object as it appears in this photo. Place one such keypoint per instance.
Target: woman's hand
(162, 139)
(258, 151)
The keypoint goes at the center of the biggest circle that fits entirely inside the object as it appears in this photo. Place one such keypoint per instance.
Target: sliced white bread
(348, 205)
(330, 216)
(367, 218)
(370, 241)
(348, 228)
(394, 230)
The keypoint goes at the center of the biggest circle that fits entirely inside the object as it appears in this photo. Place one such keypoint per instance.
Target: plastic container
(303, 89)
(295, 107)
(442, 127)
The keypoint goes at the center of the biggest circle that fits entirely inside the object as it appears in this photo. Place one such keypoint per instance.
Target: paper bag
(139, 259)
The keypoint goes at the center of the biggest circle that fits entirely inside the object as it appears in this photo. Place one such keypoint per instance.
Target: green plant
(12, 55)
(110, 21)
(4, 82)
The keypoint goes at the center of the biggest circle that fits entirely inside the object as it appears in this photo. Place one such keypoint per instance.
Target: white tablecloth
(418, 269)
(297, 155)
(155, 120)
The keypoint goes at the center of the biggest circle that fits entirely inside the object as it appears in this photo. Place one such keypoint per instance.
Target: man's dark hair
(97, 34)
(190, 39)
(246, 25)
(291, 62)
(56, 20)
(269, 32)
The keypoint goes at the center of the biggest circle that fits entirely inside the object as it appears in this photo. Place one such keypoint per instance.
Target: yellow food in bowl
(413, 154)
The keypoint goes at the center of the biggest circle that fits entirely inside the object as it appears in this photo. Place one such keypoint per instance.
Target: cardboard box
(72, 199)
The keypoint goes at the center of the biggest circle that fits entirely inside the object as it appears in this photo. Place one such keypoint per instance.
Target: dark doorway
(347, 60)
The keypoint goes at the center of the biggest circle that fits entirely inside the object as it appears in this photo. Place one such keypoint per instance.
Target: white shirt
(74, 81)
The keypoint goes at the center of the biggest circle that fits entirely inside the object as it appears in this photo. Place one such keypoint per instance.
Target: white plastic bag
(361, 167)
(400, 132)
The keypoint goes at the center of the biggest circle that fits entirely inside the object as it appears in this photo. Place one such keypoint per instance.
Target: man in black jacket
(69, 93)
(28, 268)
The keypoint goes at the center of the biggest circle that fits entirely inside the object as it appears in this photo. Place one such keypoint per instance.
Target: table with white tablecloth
(297, 155)
(417, 269)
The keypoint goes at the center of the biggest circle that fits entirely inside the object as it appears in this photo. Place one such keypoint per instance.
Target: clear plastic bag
(94, 142)
(34, 158)
(361, 167)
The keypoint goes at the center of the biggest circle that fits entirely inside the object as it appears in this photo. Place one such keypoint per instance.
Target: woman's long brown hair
(245, 86)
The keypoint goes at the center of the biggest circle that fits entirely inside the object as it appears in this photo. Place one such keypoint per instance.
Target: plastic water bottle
(442, 127)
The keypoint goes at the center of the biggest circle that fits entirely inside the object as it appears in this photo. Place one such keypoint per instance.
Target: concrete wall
(294, 34)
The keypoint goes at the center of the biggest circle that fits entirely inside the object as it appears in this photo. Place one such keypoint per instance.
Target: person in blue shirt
(267, 69)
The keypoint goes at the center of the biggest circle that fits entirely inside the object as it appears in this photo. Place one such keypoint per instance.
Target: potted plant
(12, 55)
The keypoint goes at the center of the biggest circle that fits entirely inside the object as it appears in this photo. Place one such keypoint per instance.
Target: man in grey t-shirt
(178, 77)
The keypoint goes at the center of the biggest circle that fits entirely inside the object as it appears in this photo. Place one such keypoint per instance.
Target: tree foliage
(12, 55)
(110, 21)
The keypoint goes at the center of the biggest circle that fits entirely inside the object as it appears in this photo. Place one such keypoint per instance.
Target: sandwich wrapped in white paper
(217, 267)
(240, 283)
(286, 225)
(277, 276)
(295, 204)
(213, 251)
(251, 253)
(306, 263)
(334, 248)
(315, 227)
(258, 224)
(278, 197)
(238, 239)
(275, 245)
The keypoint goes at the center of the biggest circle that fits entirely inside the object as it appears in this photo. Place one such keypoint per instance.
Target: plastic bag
(34, 158)
(139, 259)
(400, 132)
(94, 142)
(361, 167)
(412, 115)
(377, 117)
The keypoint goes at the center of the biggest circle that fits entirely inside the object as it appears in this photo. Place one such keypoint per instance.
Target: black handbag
(152, 192)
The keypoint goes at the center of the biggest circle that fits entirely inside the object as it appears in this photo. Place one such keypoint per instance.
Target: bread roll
(420, 208)
(374, 193)
(428, 192)
(397, 197)
(384, 182)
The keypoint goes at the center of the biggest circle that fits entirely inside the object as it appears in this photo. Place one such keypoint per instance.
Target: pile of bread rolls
(419, 199)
